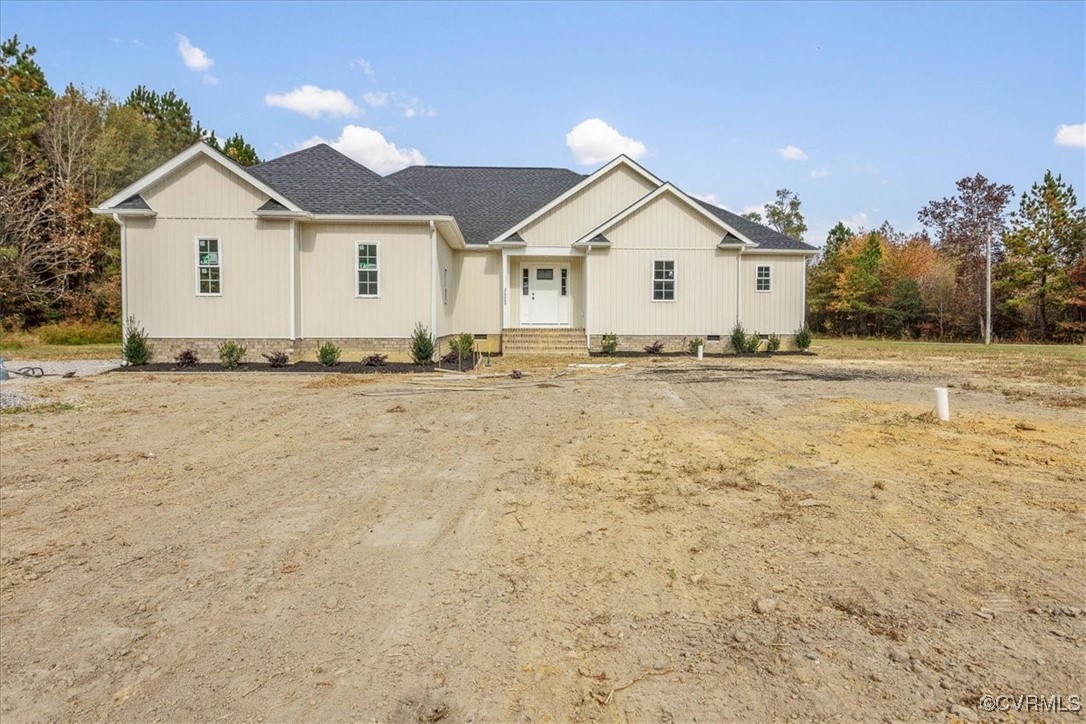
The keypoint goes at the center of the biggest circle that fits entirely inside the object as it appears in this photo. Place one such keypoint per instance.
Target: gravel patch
(11, 398)
(59, 368)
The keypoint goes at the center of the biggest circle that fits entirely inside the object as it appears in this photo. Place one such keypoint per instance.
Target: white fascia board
(757, 251)
(184, 157)
(588, 181)
(294, 215)
(123, 212)
(547, 251)
(384, 219)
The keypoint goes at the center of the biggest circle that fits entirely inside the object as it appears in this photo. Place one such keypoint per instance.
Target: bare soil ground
(591, 544)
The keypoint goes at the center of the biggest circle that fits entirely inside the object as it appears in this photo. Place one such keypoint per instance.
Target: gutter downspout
(433, 284)
(124, 275)
(293, 281)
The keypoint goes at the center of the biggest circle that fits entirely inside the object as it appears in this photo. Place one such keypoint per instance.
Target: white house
(313, 246)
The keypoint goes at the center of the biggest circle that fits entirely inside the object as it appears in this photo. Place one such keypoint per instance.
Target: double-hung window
(368, 269)
(763, 281)
(663, 280)
(208, 266)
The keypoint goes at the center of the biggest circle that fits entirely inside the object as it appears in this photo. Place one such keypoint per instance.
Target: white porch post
(739, 288)
(433, 286)
(505, 289)
(587, 299)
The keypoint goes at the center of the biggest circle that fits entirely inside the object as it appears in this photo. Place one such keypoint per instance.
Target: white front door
(542, 298)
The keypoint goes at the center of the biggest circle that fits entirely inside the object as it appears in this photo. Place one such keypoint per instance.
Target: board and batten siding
(204, 200)
(477, 294)
(621, 276)
(330, 305)
(587, 209)
(780, 310)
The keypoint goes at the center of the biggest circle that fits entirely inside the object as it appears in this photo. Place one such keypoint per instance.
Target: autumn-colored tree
(859, 287)
(964, 224)
(1046, 239)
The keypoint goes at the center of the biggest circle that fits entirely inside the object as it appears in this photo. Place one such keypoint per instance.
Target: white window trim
(756, 268)
(377, 248)
(674, 283)
(196, 255)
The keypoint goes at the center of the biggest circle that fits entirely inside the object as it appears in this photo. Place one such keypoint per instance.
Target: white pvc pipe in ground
(942, 403)
(701, 351)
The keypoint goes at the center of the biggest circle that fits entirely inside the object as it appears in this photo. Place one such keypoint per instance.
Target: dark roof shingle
(133, 202)
(763, 236)
(487, 200)
(321, 180)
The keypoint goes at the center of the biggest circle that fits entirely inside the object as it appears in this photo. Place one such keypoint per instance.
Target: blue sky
(866, 110)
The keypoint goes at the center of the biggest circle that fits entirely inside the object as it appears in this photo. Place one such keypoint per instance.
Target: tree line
(60, 154)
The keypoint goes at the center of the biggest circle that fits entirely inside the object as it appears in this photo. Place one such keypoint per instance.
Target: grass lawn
(1063, 364)
(37, 351)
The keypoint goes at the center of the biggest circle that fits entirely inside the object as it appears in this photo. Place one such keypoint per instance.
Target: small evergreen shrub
(803, 338)
(278, 358)
(655, 348)
(738, 339)
(328, 354)
(754, 341)
(134, 349)
(773, 343)
(422, 345)
(463, 344)
(609, 344)
(230, 354)
(375, 360)
(693, 345)
(186, 358)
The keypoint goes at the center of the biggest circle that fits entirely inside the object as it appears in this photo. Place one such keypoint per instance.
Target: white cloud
(412, 107)
(856, 222)
(792, 153)
(210, 80)
(195, 58)
(754, 208)
(1073, 136)
(823, 172)
(708, 198)
(592, 141)
(313, 101)
(364, 65)
(375, 99)
(371, 149)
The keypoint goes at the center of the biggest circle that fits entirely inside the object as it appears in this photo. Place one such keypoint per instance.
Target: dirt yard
(741, 540)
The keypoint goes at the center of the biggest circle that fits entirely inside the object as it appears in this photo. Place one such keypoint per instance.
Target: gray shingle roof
(487, 200)
(763, 236)
(322, 180)
(272, 205)
(133, 202)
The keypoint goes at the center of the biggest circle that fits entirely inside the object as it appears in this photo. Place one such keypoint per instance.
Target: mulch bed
(347, 368)
(707, 355)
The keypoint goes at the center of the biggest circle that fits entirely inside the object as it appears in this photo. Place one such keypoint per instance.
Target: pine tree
(1046, 240)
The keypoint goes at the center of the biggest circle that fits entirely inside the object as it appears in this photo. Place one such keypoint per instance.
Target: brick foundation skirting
(166, 349)
(680, 343)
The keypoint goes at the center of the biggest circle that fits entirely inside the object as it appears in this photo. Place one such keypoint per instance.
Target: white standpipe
(701, 351)
(942, 403)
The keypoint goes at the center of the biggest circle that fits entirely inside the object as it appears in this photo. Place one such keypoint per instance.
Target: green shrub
(803, 338)
(422, 345)
(278, 358)
(693, 345)
(656, 347)
(609, 344)
(738, 340)
(754, 341)
(773, 343)
(463, 344)
(79, 333)
(230, 354)
(134, 349)
(328, 354)
(187, 358)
